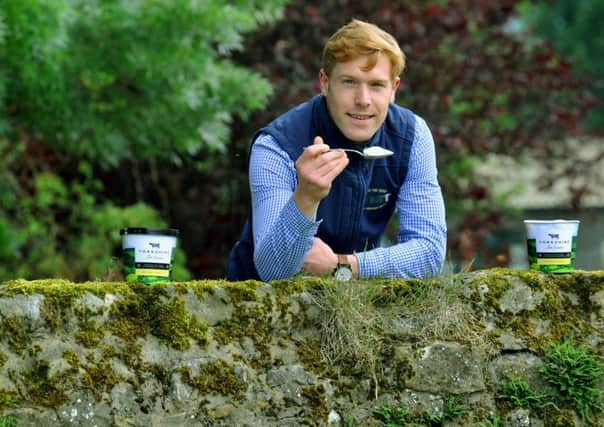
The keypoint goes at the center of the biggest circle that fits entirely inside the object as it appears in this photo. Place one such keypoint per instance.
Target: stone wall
(290, 353)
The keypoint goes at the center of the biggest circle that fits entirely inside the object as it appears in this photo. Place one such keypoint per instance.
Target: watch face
(343, 273)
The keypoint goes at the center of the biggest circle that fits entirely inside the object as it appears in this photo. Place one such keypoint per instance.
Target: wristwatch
(343, 270)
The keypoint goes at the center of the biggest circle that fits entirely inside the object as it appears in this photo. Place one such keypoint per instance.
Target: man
(319, 210)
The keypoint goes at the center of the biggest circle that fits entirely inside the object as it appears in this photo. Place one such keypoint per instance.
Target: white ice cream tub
(148, 254)
(552, 244)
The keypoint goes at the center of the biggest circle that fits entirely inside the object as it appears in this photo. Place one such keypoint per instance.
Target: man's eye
(378, 84)
(348, 81)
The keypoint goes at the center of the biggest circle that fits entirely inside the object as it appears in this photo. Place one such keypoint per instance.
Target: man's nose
(362, 95)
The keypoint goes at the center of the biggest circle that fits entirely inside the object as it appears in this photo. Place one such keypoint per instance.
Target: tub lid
(551, 221)
(144, 230)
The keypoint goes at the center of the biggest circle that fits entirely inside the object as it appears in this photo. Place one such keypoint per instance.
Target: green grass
(392, 417)
(8, 421)
(351, 327)
(400, 417)
(574, 374)
(356, 317)
(519, 393)
(492, 421)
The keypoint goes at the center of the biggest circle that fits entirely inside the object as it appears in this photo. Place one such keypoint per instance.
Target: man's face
(358, 100)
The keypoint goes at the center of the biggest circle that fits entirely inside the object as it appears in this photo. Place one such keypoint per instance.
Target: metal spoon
(369, 152)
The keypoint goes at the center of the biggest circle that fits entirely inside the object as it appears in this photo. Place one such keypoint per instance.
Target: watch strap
(343, 270)
(343, 261)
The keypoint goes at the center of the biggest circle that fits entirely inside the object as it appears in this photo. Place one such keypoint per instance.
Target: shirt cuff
(298, 221)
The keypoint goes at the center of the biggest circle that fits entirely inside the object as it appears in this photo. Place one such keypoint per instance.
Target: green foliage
(89, 87)
(574, 30)
(399, 416)
(84, 247)
(3, 125)
(492, 421)
(2, 29)
(520, 394)
(52, 228)
(8, 421)
(110, 80)
(392, 417)
(453, 407)
(575, 375)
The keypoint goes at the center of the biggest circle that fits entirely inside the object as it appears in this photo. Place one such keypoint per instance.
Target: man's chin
(359, 137)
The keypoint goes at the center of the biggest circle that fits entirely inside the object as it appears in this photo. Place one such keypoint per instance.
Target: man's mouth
(360, 116)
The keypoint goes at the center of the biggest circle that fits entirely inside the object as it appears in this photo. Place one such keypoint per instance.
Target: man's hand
(316, 168)
(320, 260)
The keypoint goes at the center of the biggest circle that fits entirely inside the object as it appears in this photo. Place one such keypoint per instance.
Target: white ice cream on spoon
(370, 152)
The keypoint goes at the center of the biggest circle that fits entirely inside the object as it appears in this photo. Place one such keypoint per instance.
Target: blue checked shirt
(283, 235)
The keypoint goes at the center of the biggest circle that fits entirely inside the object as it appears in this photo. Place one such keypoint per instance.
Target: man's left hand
(320, 259)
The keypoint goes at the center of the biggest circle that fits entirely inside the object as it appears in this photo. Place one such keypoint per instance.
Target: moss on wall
(565, 317)
(108, 342)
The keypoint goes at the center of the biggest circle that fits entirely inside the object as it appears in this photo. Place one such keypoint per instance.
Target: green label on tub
(144, 272)
(552, 261)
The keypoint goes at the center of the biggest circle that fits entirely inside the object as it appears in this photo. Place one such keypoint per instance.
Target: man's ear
(397, 83)
(324, 81)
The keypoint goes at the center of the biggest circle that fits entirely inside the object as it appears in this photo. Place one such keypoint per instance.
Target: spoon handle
(349, 150)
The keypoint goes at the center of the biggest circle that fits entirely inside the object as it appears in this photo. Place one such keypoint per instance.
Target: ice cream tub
(552, 244)
(148, 254)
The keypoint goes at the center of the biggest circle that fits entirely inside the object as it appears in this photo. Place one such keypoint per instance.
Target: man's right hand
(316, 168)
